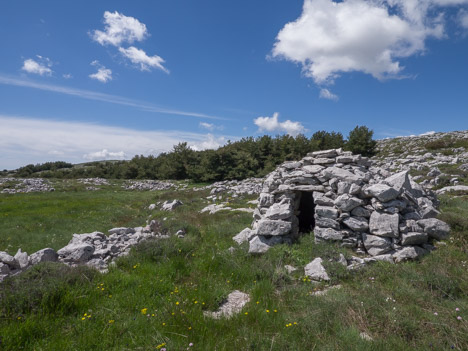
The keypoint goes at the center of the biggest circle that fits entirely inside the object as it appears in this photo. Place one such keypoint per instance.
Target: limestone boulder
(22, 258)
(316, 271)
(357, 224)
(273, 227)
(408, 253)
(382, 192)
(44, 255)
(435, 228)
(328, 234)
(76, 253)
(413, 238)
(376, 245)
(327, 212)
(347, 202)
(383, 224)
(261, 244)
(171, 205)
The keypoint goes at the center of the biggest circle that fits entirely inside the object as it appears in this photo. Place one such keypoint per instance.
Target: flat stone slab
(233, 305)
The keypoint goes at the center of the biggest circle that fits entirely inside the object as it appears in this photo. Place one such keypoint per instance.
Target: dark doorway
(306, 212)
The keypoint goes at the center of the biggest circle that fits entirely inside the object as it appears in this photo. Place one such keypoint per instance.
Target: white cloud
(103, 74)
(120, 29)
(210, 126)
(28, 140)
(67, 76)
(463, 18)
(427, 133)
(104, 154)
(271, 124)
(141, 59)
(211, 142)
(96, 96)
(327, 94)
(41, 66)
(368, 36)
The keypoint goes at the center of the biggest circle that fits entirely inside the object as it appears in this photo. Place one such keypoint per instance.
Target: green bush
(360, 141)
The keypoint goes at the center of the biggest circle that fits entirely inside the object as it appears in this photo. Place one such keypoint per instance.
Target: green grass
(158, 293)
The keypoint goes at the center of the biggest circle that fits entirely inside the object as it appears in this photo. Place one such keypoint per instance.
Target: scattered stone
(44, 255)
(315, 270)
(435, 228)
(290, 269)
(171, 205)
(233, 305)
(22, 258)
(243, 236)
(326, 290)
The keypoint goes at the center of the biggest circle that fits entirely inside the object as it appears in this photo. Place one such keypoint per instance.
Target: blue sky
(87, 80)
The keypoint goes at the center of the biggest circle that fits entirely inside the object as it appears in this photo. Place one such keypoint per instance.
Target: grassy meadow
(154, 298)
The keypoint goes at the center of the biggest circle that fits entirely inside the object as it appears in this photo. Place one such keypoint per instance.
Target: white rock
(315, 270)
(383, 224)
(233, 305)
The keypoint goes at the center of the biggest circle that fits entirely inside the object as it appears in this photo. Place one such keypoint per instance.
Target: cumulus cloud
(327, 94)
(271, 124)
(211, 142)
(369, 36)
(103, 74)
(67, 76)
(29, 140)
(120, 29)
(39, 66)
(104, 154)
(142, 60)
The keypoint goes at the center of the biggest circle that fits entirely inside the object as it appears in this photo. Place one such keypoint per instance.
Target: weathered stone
(322, 200)
(399, 181)
(413, 238)
(171, 205)
(327, 234)
(327, 223)
(4, 268)
(273, 227)
(323, 161)
(44, 255)
(76, 253)
(279, 211)
(341, 174)
(327, 212)
(408, 253)
(290, 268)
(22, 258)
(313, 169)
(360, 212)
(8, 259)
(429, 212)
(383, 224)
(260, 244)
(324, 153)
(376, 245)
(315, 270)
(233, 305)
(266, 200)
(243, 236)
(98, 264)
(382, 192)
(291, 165)
(435, 228)
(151, 207)
(121, 231)
(347, 202)
(357, 224)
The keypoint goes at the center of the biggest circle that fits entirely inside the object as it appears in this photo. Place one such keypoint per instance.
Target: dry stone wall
(342, 198)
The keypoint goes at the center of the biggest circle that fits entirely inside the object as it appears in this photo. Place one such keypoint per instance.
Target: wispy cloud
(30, 140)
(142, 60)
(113, 99)
(327, 94)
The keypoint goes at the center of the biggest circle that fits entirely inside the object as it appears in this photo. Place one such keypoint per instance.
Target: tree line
(248, 157)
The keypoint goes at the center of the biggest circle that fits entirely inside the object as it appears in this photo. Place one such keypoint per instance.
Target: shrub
(360, 141)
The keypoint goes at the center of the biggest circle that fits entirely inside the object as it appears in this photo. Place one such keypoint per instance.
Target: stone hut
(341, 197)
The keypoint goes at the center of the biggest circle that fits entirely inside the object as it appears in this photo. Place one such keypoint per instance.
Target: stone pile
(236, 188)
(92, 249)
(341, 198)
(28, 185)
(94, 182)
(150, 185)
